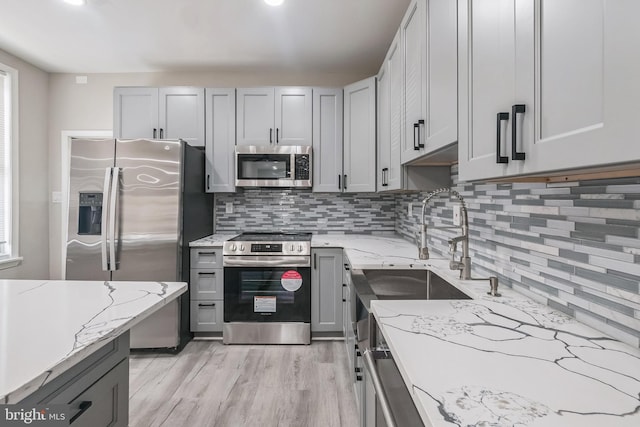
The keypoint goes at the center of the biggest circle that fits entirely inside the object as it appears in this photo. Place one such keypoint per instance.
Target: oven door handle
(377, 385)
(265, 261)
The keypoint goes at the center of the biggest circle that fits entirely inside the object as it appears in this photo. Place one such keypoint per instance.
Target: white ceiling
(107, 36)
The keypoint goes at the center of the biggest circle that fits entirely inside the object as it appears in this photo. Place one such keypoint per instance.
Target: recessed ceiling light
(274, 2)
(75, 2)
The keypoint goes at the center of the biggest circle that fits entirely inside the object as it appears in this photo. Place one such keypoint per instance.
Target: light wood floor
(210, 384)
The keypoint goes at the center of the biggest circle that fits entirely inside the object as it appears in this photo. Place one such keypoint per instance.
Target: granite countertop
(509, 361)
(49, 326)
(215, 240)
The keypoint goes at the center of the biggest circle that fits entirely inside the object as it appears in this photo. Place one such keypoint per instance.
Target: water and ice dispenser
(90, 214)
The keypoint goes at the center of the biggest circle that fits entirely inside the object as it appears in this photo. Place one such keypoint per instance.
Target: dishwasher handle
(377, 385)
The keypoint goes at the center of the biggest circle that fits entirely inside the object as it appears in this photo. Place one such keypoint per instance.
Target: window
(8, 165)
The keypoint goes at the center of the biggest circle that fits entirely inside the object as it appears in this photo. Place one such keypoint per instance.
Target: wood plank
(210, 384)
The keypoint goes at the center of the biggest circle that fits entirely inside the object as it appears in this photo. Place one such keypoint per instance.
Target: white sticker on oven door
(291, 280)
(263, 304)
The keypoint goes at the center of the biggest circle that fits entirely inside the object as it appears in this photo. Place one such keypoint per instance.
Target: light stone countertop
(46, 327)
(509, 361)
(215, 240)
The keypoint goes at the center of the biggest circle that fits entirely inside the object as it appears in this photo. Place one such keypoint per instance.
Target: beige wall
(90, 107)
(33, 152)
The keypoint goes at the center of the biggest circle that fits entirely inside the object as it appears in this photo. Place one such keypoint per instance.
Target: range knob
(300, 248)
(292, 247)
(241, 248)
(233, 247)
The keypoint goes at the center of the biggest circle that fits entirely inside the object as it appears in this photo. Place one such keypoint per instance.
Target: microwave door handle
(115, 189)
(104, 229)
(377, 385)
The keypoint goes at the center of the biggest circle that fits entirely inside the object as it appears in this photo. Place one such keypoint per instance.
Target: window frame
(12, 257)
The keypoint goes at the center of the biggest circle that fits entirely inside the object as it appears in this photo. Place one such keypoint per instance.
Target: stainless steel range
(267, 289)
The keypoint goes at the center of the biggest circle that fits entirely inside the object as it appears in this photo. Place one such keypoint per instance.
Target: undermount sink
(410, 284)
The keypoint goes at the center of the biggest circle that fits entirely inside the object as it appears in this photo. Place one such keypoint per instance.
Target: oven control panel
(264, 248)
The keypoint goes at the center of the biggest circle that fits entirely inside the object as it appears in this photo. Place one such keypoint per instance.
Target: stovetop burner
(272, 237)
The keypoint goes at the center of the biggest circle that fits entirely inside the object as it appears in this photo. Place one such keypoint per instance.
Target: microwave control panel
(303, 167)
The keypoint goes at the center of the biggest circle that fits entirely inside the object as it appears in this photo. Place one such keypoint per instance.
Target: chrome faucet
(464, 264)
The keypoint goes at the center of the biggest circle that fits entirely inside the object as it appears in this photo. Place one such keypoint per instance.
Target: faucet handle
(453, 246)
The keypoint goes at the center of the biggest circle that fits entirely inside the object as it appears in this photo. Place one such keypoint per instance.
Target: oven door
(267, 294)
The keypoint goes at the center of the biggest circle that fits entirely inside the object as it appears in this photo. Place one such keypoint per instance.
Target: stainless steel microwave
(266, 166)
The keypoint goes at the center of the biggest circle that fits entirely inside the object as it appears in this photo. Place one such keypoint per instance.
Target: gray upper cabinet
(274, 116)
(326, 290)
(327, 139)
(547, 86)
(390, 119)
(360, 137)
(160, 113)
(428, 36)
(220, 140)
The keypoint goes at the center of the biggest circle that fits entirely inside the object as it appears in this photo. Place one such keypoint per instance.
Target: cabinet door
(135, 112)
(441, 102)
(394, 176)
(293, 115)
(255, 116)
(327, 140)
(360, 136)
(384, 131)
(586, 82)
(487, 75)
(413, 39)
(181, 114)
(220, 140)
(326, 290)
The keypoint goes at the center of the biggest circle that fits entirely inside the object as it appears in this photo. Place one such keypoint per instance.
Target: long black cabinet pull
(385, 177)
(339, 182)
(154, 133)
(208, 181)
(416, 130)
(420, 133)
(270, 135)
(161, 133)
(315, 262)
(84, 406)
(516, 109)
(206, 273)
(277, 135)
(207, 305)
(500, 118)
(344, 181)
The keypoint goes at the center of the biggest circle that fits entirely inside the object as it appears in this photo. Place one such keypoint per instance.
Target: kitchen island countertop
(48, 326)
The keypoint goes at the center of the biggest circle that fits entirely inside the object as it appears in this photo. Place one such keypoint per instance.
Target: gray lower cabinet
(96, 389)
(206, 286)
(326, 290)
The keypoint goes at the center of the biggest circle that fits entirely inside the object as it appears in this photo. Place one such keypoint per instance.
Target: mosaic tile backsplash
(574, 246)
(302, 210)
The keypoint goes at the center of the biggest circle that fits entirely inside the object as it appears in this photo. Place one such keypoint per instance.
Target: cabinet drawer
(206, 257)
(206, 284)
(104, 403)
(206, 316)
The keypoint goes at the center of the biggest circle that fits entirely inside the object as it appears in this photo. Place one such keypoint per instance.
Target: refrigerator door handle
(115, 187)
(103, 228)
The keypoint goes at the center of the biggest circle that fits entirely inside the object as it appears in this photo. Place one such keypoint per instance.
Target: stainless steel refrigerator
(134, 206)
